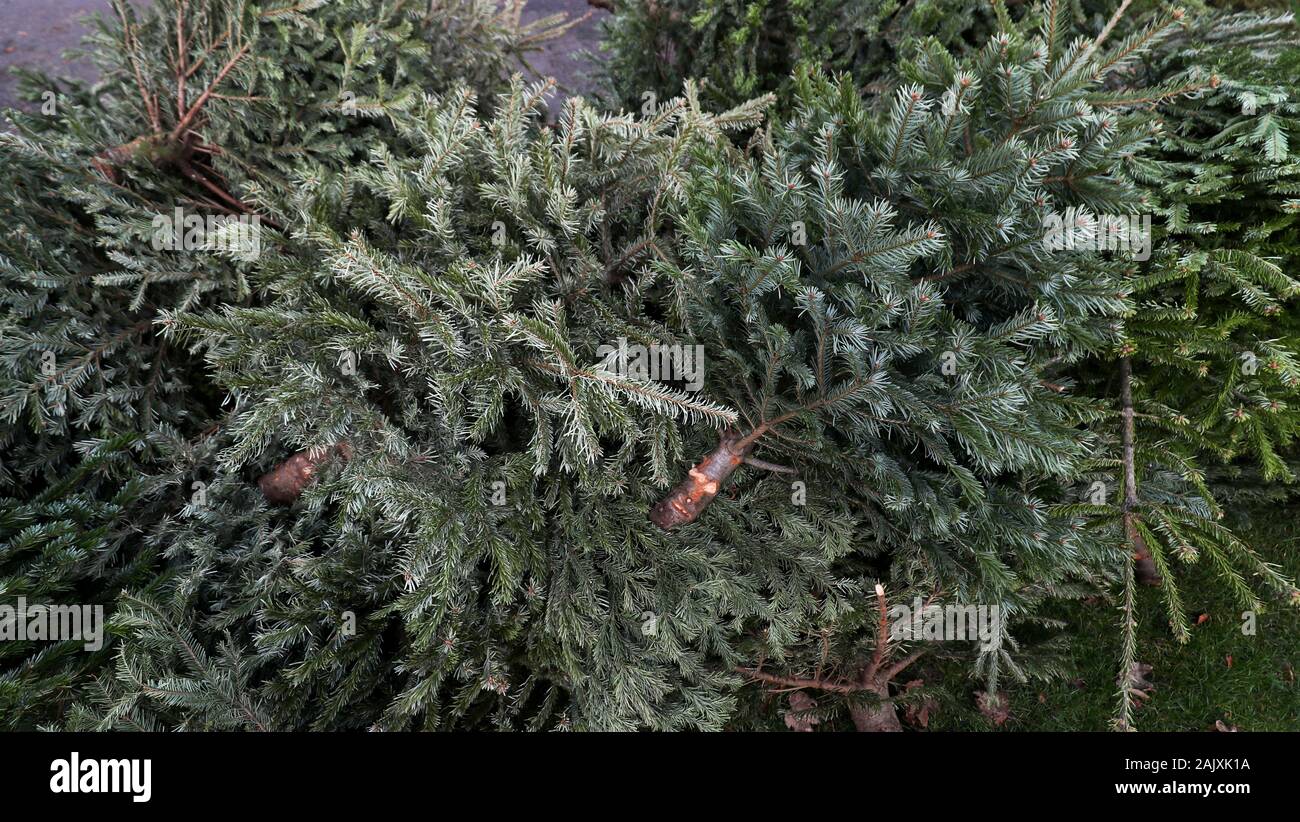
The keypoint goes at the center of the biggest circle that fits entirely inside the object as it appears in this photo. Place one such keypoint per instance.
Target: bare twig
(1145, 565)
(769, 466)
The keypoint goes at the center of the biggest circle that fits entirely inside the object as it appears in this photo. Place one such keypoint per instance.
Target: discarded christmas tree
(1205, 380)
(363, 396)
(205, 110)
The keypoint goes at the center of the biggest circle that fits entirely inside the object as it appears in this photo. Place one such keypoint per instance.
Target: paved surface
(35, 34)
(560, 59)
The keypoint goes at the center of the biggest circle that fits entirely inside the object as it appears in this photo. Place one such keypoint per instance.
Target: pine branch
(1145, 565)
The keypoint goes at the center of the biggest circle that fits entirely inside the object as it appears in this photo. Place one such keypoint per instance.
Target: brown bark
(867, 716)
(155, 149)
(1144, 564)
(164, 147)
(873, 677)
(286, 482)
(878, 717)
(685, 503)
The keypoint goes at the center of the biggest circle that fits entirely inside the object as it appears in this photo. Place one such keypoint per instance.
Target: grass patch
(1194, 683)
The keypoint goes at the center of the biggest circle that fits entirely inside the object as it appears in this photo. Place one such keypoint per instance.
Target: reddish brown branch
(898, 667)
(882, 636)
(286, 482)
(797, 682)
(194, 110)
(689, 499)
(1110, 26)
(877, 715)
(174, 147)
(868, 714)
(769, 466)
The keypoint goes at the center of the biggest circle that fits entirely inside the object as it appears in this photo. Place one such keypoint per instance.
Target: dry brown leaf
(800, 717)
(918, 715)
(994, 706)
(1137, 681)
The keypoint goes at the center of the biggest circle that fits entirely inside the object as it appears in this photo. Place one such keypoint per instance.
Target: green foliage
(1212, 357)
(909, 388)
(105, 423)
(1218, 290)
(857, 250)
(1236, 670)
(741, 49)
(472, 287)
(1209, 306)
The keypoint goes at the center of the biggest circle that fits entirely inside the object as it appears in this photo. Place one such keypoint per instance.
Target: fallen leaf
(800, 717)
(994, 706)
(918, 714)
(1288, 672)
(1137, 680)
(1202, 619)
(1227, 729)
(1228, 659)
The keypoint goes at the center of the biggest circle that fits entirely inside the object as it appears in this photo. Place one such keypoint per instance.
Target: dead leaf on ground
(918, 714)
(994, 706)
(800, 717)
(1137, 681)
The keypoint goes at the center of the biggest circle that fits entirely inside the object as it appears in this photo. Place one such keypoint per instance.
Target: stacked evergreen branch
(401, 466)
(1206, 377)
(1180, 420)
(738, 50)
(905, 330)
(205, 107)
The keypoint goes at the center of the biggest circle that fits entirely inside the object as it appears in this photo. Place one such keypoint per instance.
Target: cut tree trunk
(155, 149)
(689, 499)
(286, 482)
(879, 717)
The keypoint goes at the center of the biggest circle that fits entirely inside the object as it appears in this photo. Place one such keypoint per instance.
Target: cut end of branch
(689, 499)
(286, 482)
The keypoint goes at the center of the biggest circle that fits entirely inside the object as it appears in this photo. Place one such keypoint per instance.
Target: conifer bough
(803, 264)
